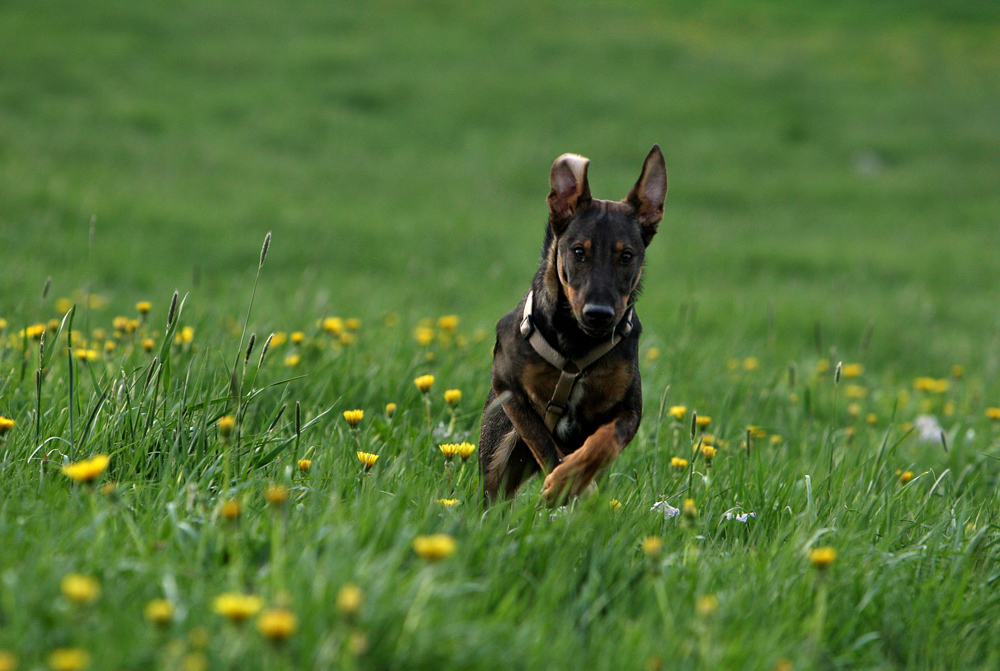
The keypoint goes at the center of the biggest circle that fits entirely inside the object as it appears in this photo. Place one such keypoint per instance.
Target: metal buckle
(527, 327)
(557, 408)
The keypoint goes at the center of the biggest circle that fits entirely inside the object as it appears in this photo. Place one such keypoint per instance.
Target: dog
(566, 396)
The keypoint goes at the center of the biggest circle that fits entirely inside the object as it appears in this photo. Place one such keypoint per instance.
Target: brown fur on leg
(578, 470)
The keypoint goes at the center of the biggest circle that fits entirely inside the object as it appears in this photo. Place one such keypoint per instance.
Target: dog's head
(597, 247)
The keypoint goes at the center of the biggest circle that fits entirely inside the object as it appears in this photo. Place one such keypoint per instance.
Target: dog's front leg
(579, 468)
(533, 432)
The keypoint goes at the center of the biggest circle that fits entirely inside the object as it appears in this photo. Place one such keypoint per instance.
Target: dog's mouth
(597, 332)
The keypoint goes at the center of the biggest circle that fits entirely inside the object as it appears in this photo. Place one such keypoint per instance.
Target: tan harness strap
(569, 370)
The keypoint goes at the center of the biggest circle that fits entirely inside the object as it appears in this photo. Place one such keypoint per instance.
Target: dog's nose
(598, 316)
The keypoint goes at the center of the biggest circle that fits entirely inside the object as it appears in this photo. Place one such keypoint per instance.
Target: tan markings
(586, 246)
(620, 247)
(580, 468)
(551, 280)
(571, 294)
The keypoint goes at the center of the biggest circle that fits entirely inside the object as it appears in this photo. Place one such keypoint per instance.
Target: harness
(569, 369)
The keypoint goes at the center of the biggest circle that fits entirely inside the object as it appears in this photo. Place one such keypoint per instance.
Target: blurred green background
(834, 167)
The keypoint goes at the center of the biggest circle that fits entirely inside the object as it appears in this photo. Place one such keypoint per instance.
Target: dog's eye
(580, 254)
(626, 258)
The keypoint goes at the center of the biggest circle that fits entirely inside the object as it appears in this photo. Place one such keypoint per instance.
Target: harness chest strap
(569, 370)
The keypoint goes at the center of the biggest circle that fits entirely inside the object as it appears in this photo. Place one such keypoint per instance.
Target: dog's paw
(570, 478)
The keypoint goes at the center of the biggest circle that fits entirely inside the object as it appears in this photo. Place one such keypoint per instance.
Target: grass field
(834, 172)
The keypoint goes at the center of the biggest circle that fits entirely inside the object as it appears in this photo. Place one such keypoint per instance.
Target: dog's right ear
(570, 191)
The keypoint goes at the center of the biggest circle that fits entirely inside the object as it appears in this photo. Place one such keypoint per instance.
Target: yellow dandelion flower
(226, 425)
(424, 383)
(68, 659)
(347, 338)
(703, 421)
(453, 396)
(678, 463)
(678, 412)
(855, 391)
(447, 503)
(853, 409)
(354, 417)
(871, 418)
(87, 354)
(905, 476)
(99, 334)
(448, 323)
(63, 304)
(349, 600)
(706, 605)
(120, 323)
(957, 370)
(733, 364)
(159, 611)
(822, 557)
(297, 337)
(434, 547)
(148, 344)
(367, 459)
(652, 546)
(108, 489)
(465, 450)
(143, 307)
(194, 661)
(3, 323)
(751, 363)
(87, 470)
(353, 324)
(333, 325)
(424, 335)
(652, 354)
(276, 495)
(230, 510)
(614, 504)
(237, 607)
(81, 589)
(993, 413)
(689, 509)
(8, 662)
(109, 346)
(449, 450)
(185, 336)
(757, 432)
(390, 409)
(708, 452)
(776, 439)
(852, 370)
(6, 424)
(292, 360)
(277, 624)
(34, 331)
(305, 465)
(279, 338)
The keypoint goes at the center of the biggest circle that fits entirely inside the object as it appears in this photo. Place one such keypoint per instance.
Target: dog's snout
(597, 315)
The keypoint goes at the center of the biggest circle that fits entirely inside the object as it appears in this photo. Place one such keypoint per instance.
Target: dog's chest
(595, 393)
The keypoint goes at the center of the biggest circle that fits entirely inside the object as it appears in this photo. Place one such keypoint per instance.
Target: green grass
(833, 197)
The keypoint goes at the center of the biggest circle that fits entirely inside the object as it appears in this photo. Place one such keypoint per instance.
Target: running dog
(566, 395)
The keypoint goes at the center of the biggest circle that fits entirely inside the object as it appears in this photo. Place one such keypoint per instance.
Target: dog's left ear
(648, 194)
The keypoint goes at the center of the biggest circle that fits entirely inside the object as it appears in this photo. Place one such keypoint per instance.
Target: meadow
(822, 294)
